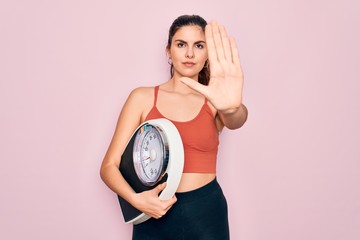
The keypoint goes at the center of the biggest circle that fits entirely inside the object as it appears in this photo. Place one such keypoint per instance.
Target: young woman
(203, 96)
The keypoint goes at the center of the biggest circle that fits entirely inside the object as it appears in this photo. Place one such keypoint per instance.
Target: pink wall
(66, 67)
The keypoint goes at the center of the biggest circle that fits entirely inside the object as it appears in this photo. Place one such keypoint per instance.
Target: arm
(225, 87)
(234, 118)
(129, 119)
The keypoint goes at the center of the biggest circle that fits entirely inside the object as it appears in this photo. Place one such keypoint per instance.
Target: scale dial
(150, 154)
(154, 154)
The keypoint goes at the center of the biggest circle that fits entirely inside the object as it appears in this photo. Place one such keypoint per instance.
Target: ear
(206, 64)
(168, 53)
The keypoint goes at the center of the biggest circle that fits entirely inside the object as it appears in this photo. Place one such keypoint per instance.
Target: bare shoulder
(142, 98)
(141, 95)
(142, 90)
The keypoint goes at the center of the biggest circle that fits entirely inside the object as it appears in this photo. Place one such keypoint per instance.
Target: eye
(181, 45)
(200, 46)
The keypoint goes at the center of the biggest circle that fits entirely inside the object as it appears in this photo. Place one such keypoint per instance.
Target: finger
(217, 41)
(160, 187)
(195, 85)
(226, 43)
(210, 44)
(173, 200)
(168, 208)
(169, 201)
(168, 205)
(234, 52)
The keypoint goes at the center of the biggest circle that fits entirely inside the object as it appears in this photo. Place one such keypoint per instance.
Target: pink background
(292, 172)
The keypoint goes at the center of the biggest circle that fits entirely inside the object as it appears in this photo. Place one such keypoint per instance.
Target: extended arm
(225, 87)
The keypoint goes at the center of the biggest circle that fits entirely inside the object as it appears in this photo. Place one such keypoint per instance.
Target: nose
(190, 53)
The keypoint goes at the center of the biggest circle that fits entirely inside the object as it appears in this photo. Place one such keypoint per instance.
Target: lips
(189, 64)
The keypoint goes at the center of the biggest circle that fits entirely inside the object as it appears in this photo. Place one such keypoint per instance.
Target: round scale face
(149, 155)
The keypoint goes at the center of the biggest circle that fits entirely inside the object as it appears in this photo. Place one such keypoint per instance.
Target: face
(188, 51)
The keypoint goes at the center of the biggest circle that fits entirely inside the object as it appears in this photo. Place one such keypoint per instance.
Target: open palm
(224, 90)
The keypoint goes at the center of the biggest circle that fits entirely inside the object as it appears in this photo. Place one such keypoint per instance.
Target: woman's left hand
(224, 90)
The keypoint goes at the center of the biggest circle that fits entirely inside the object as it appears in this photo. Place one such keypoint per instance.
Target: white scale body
(154, 154)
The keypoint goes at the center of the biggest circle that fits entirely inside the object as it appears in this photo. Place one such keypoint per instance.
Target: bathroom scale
(153, 155)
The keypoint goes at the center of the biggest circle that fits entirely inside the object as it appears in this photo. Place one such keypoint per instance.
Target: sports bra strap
(156, 90)
(199, 135)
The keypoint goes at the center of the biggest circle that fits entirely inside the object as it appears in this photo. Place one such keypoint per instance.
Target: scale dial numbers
(150, 156)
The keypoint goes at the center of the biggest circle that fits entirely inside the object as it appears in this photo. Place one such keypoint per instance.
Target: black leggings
(198, 214)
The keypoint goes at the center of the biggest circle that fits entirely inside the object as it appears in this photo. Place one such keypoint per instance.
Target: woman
(206, 88)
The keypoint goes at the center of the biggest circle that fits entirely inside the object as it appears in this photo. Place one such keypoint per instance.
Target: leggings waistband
(199, 192)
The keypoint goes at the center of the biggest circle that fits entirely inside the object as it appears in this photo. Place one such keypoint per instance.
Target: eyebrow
(182, 41)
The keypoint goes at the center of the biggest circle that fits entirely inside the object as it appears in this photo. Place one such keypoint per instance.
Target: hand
(224, 90)
(149, 203)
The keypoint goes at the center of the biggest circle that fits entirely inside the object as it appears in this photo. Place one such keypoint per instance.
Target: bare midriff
(192, 181)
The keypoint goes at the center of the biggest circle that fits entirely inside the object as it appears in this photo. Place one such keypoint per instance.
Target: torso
(187, 108)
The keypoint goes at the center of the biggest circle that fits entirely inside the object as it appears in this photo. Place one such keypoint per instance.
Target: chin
(189, 74)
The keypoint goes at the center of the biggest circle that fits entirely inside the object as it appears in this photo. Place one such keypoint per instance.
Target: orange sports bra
(200, 138)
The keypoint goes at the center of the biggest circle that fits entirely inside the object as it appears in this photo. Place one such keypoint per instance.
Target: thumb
(194, 85)
(160, 187)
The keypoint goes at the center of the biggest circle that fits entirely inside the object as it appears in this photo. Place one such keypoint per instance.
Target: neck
(175, 85)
